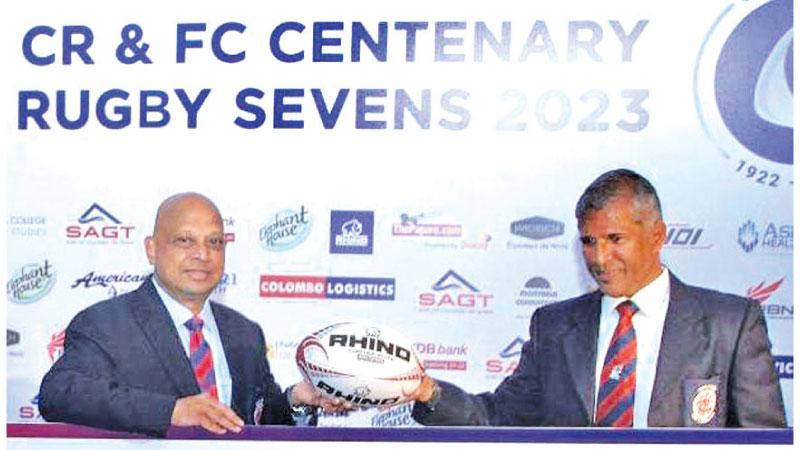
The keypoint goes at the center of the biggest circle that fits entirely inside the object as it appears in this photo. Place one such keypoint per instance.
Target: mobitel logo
(537, 228)
(31, 282)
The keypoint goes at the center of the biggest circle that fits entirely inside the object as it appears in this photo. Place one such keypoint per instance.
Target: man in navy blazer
(702, 360)
(126, 365)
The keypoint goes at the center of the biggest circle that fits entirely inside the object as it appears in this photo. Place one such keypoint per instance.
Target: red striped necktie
(618, 378)
(200, 357)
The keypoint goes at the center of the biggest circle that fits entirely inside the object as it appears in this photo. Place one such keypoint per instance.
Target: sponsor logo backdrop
(417, 166)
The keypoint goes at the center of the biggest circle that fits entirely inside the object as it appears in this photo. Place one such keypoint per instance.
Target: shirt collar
(180, 313)
(650, 299)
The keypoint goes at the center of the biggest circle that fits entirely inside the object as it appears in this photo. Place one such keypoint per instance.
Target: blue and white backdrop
(415, 164)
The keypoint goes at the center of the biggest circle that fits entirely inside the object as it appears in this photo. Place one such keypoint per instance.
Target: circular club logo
(744, 90)
(31, 282)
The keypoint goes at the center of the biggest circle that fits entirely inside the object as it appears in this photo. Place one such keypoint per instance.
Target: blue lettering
(61, 115)
(404, 103)
(484, 35)
(184, 43)
(216, 42)
(81, 48)
(26, 111)
(320, 42)
(242, 104)
(442, 41)
(123, 112)
(275, 42)
(411, 29)
(280, 108)
(360, 35)
(192, 107)
(329, 117)
(362, 109)
(27, 46)
(159, 108)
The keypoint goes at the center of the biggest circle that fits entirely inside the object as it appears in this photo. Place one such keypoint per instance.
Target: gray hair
(613, 184)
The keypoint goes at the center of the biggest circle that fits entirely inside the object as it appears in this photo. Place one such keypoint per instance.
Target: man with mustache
(645, 350)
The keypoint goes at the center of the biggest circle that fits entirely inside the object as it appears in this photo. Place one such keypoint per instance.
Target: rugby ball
(365, 364)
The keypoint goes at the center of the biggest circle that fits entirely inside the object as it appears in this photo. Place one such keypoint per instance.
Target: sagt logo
(507, 359)
(31, 411)
(56, 346)
(769, 238)
(453, 292)
(744, 92)
(97, 225)
(352, 232)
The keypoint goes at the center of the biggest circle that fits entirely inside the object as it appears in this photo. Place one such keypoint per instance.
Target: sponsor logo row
(353, 232)
(452, 292)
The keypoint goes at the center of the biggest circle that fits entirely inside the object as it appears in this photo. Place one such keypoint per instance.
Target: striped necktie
(200, 357)
(618, 378)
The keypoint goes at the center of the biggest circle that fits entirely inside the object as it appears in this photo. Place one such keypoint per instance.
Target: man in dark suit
(138, 363)
(645, 350)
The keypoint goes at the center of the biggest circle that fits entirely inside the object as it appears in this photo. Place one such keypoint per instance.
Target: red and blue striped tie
(200, 357)
(618, 378)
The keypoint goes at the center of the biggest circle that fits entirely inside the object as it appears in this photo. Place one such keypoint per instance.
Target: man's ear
(659, 234)
(150, 249)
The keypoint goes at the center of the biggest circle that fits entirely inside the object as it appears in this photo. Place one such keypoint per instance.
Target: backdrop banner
(415, 164)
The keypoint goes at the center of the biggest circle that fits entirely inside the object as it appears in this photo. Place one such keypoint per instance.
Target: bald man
(164, 354)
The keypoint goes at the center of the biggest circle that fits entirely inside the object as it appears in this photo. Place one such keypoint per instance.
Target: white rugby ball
(362, 363)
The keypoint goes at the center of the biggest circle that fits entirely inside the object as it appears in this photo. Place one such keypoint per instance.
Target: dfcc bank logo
(452, 292)
(97, 225)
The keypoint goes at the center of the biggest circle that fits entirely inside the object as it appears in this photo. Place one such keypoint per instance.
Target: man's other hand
(202, 410)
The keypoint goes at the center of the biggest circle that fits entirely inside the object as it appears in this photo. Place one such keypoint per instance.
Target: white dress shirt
(648, 323)
(180, 314)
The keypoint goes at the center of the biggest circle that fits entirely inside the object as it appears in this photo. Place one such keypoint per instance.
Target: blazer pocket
(704, 402)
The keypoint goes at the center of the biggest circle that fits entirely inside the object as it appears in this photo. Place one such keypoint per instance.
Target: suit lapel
(229, 339)
(685, 336)
(580, 349)
(154, 320)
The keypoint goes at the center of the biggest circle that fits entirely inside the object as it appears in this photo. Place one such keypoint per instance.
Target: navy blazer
(123, 367)
(709, 338)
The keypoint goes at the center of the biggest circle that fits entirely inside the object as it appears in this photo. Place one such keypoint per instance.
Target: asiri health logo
(540, 230)
(743, 90)
(31, 282)
(452, 293)
(327, 287)
(352, 232)
(98, 226)
(767, 237)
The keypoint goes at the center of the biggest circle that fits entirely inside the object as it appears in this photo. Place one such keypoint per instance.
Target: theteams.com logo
(744, 89)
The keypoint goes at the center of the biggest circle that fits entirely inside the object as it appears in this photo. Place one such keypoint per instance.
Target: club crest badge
(259, 409)
(704, 404)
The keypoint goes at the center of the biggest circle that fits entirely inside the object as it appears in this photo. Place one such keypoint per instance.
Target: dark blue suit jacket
(123, 367)
(708, 338)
